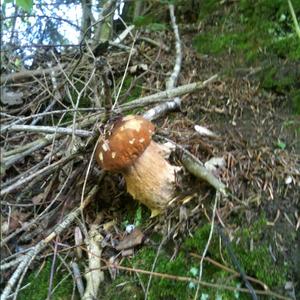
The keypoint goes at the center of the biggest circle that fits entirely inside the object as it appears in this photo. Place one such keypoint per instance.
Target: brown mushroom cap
(127, 140)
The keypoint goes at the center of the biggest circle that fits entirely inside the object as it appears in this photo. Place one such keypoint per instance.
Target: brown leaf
(37, 199)
(132, 240)
(43, 196)
(127, 252)
(15, 220)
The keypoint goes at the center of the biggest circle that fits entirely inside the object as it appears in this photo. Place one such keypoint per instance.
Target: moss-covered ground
(255, 33)
(37, 284)
(256, 262)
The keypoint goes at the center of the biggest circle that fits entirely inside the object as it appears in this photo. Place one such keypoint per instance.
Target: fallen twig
(78, 279)
(195, 281)
(30, 73)
(162, 108)
(49, 129)
(165, 96)
(94, 275)
(59, 228)
(219, 265)
(196, 167)
(42, 172)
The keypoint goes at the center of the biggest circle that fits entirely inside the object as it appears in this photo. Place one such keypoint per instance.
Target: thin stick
(207, 244)
(165, 96)
(49, 129)
(193, 280)
(162, 108)
(59, 228)
(217, 264)
(124, 75)
(46, 170)
(297, 28)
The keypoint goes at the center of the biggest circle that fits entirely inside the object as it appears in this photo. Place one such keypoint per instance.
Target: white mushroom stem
(151, 179)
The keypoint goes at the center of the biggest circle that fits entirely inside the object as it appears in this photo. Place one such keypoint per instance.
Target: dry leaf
(127, 252)
(78, 241)
(133, 239)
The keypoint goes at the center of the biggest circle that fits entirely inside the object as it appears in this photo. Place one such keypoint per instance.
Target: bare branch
(165, 96)
(94, 275)
(46, 170)
(28, 73)
(49, 129)
(59, 228)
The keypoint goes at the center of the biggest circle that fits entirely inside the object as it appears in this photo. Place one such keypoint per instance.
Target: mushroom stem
(151, 179)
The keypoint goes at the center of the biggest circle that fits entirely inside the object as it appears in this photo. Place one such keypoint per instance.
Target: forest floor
(253, 110)
(256, 147)
(257, 137)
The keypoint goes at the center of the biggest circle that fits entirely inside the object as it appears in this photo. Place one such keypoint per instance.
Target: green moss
(251, 29)
(149, 22)
(160, 288)
(207, 8)
(255, 33)
(295, 95)
(135, 92)
(283, 80)
(256, 263)
(215, 44)
(124, 287)
(39, 284)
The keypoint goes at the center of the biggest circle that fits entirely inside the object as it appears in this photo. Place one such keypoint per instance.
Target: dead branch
(196, 167)
(59, 228)
(161, 109)
(43, 172)
(171, 83)
(77, 277)
(165, 96)
(49, 129)
(123, 35)
(30, 73)
(94, 275)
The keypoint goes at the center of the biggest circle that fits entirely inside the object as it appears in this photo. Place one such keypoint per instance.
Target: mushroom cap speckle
(126, 141)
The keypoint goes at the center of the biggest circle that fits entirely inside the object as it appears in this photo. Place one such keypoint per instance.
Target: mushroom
(128, 149)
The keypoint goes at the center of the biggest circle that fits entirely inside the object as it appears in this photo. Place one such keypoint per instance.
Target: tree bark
(86, 6)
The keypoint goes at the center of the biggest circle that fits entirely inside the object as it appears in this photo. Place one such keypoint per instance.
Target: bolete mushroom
(128, 149)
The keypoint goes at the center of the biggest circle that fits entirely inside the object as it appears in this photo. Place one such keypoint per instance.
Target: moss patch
(39, 284)
(253, 29)
(256, 263)
(255, 33)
